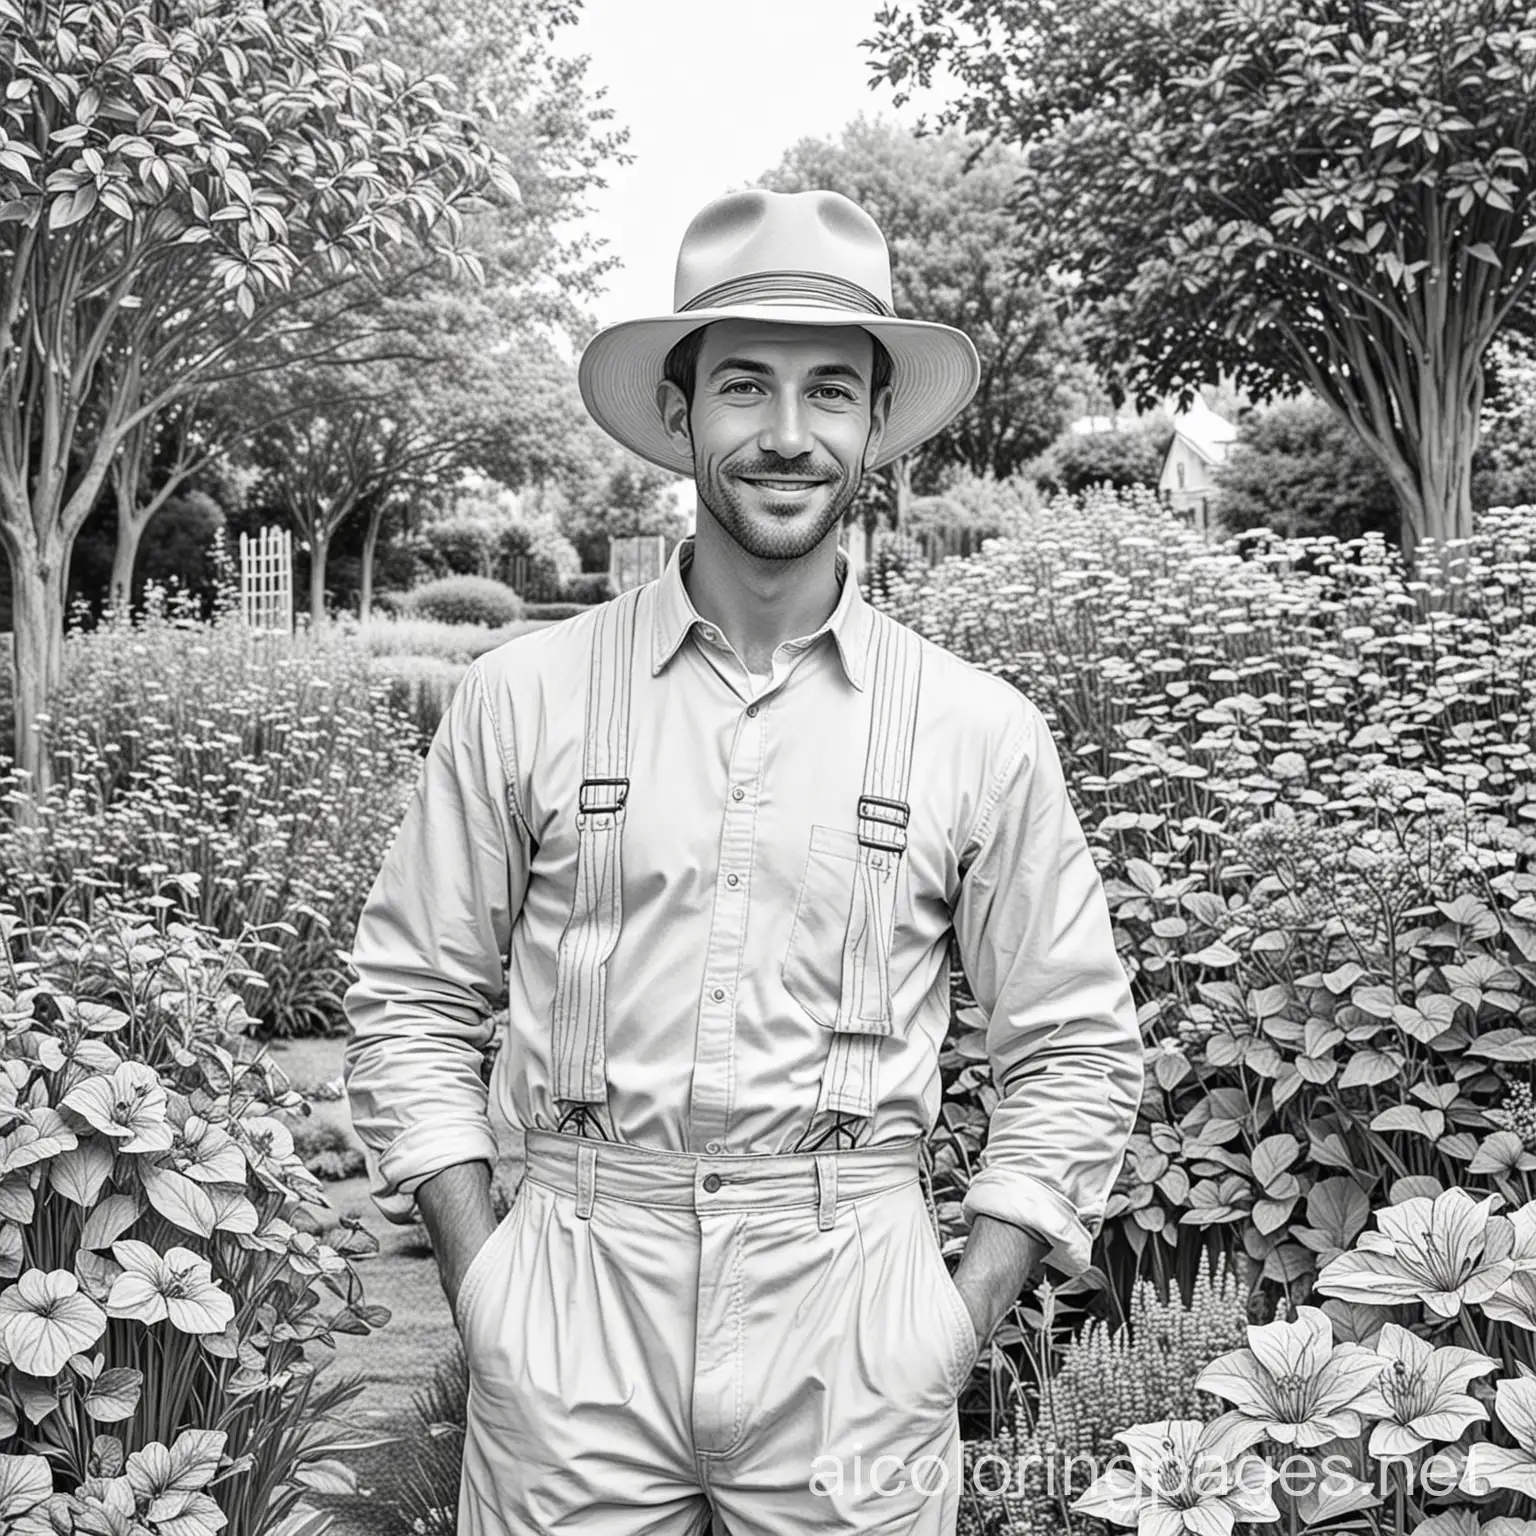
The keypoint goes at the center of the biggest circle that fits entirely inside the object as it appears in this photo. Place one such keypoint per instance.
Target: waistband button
(711, 1182)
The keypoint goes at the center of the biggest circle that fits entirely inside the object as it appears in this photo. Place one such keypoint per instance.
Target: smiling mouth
(766, 483)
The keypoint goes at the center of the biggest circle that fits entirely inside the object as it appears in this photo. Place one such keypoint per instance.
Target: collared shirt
(738, 855)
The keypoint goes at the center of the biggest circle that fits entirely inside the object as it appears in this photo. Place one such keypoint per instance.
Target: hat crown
(747, 234)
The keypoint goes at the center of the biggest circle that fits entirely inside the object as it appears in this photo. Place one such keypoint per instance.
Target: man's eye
(735, 385)
(835, 390)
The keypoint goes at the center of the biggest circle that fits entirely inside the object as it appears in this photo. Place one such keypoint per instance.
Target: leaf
(1376, 1001)
(1217, 955)
(1341, 980)
(109, 1221)
(1366, 1068)
(333, 1477)
(179, 1199)
(1408, 1117)
(114, 1395)
(1484, 252)
(1273, 1155)
(1504, 1045)
(79, 1173)
(1499, 1153)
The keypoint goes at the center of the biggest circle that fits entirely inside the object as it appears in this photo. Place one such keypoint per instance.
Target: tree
(944, 204)
(175, 175)
(1322, 195)
(1298, 469)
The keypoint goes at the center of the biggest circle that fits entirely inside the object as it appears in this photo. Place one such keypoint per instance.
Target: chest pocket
(813, 964)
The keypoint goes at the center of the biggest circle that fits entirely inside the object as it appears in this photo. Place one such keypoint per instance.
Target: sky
(713, 92)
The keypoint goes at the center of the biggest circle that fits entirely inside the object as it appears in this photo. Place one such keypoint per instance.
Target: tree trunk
(130, 530)
(370, 543)
(901, 482)
(38, 577)
(317, 552)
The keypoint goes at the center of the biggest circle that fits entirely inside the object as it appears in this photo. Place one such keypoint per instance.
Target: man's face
(782, 425)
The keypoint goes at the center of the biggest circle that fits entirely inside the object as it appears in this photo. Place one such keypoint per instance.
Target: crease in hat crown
(812, 259)
(747, 247)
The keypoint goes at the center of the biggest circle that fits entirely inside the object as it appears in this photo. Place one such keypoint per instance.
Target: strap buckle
(599, 795)
(883, 823)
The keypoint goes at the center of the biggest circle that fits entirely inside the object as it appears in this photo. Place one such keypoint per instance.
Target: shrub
(554, 612)
(1132, 456)
(587, 587)
(253, 782)
(327, 1151)
(1298, 469)
(1311, 794)
(896, 558)
(156, 1304)
(466, 600)
(460, 546)
(549, 559)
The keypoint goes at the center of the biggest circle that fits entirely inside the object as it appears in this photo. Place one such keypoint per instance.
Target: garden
(1310, 781)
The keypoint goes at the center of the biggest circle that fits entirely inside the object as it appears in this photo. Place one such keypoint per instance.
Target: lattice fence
(266, 580)
(634, 561)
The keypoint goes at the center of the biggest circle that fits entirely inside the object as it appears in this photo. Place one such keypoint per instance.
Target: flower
(203, 1152)
(1492, 1466)
(178, 1286)
(1185, 1476)
(129, 1105)
(1294, 1381)
(1446, 1252)
(1421, 1396)
(268, 1146)
(1514, 1301)
(44, 1320)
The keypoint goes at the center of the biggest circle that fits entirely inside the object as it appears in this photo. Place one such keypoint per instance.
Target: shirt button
(711, 1183)
(719, 994)
(732, 880)
(716, 1147)
(738, 793)
(751, 711)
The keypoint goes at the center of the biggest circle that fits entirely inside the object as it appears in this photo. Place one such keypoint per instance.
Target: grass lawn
(399, 1358)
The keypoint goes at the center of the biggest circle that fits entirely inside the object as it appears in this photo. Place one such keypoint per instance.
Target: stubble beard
(763, 535)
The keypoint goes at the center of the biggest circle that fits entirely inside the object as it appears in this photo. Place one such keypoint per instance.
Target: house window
(1180, 468)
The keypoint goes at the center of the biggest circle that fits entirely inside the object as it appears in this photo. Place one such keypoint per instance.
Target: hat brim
(934, 374)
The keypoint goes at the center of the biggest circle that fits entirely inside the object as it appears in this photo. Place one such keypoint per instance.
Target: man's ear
(673, 406)
(879, 419)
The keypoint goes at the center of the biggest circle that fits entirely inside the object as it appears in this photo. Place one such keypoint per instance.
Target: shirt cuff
(417, 1154)
(1028, 1202)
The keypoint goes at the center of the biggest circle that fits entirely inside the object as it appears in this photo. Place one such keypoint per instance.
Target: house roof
(1204, 431)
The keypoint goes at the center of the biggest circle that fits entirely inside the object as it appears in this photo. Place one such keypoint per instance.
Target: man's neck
(759, 604)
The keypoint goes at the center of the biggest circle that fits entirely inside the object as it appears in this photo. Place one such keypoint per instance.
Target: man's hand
(998, 1262)
(456, 1206)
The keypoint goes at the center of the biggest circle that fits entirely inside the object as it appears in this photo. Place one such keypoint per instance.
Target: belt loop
(586, 1179)
(826, 1190)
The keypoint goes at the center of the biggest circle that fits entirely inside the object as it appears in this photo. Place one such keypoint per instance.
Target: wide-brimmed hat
(789, 258)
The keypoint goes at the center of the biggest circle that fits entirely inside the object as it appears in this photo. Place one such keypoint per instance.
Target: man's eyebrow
(762, 370)
(740, 365)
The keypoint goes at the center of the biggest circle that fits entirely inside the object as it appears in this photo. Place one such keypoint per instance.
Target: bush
(549, 560)
(1311, 793)
(156, 1304)
(254, 783)
(554, 612)
(1132, 456)
(465, 600)
(327, 1151)
(587, 588)
(460, 546)
(1299, 470)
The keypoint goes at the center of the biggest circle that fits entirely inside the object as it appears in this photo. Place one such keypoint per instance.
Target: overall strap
(864, 1010)
(581, 960)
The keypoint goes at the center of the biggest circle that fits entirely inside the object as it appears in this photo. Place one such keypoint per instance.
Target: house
(1201, 441)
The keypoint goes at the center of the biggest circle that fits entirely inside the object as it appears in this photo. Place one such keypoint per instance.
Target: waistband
(608, 1170)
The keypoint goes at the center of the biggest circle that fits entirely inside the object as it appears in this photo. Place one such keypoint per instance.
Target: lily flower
(1446, 1252)
(1185, 1476)
(1422, 1395)
(1514, 1301)
(178, 1286)
(129, 1105)
(1498, 1466)
(204, 1152)
(44, 1320)
(1294, 1381)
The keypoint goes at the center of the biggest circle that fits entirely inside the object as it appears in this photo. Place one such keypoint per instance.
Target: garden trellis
(266, 580)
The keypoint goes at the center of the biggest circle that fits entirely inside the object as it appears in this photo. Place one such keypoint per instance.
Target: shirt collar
(848, 623)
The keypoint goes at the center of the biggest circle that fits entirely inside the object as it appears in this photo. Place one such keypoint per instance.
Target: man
(716, 836)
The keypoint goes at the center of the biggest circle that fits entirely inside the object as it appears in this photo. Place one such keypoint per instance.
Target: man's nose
(786, 433)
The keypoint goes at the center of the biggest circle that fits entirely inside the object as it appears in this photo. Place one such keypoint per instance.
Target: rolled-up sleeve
(429, 955)
(1035, 937)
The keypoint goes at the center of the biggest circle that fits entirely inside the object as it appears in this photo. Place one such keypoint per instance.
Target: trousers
(668, 1343)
